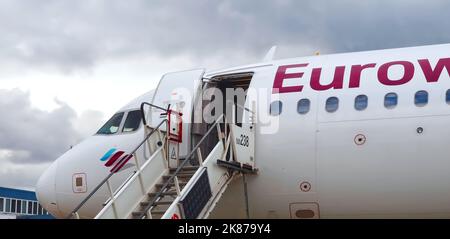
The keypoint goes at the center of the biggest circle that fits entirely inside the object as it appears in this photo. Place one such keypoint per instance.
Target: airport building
(20, 204)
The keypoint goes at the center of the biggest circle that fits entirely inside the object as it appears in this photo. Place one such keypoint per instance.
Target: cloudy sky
(66, 66)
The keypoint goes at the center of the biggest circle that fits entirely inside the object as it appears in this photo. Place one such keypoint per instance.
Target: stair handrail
(241, 106)
(105, 180)
(251, 111)
(143, 213)
(154, 106)
(121, 186)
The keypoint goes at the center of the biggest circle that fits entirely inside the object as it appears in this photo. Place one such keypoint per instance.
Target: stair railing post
(253, 113)
(233, 114)
(219, 133)
(247, 208)
(113, 203)
(141, 181)
(148, 214)
(227, 146)
(177, 185)
(149, 145)
(166, 151)
(225, 130)
(162, 139)
(76, 215)
(199, 156)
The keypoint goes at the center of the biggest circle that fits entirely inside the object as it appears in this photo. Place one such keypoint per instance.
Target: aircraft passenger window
(112, 126)
(303, 106)
(421, 98)
(276, 108)
(133, 121)
(390, 100)
(332, 104)
(447, 97)
(361, 102)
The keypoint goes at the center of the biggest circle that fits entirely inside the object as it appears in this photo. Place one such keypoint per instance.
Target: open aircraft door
(179, 90)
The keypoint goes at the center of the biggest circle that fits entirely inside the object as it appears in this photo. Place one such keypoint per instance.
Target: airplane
(349, 135)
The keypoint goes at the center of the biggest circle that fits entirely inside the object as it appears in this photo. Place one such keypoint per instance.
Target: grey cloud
(78, 34)
(30, 138)
(20, 175)
(29, 135)
(88, 122)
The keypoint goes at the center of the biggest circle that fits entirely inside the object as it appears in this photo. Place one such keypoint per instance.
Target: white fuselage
(379, 161)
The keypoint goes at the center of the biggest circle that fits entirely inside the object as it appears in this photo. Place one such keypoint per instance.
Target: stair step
(158, 211)
(145, 204)
(180, 180)
(154, 212)
(186, 168)
(163, 194)
(160, 185)
(180, 175)
(136, 215)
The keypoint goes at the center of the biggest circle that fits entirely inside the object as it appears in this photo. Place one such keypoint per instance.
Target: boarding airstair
(167, 187)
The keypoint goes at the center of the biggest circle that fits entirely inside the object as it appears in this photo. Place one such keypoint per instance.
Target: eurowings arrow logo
(116, 159)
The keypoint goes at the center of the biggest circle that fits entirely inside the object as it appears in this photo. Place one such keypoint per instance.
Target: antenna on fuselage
(270, 54)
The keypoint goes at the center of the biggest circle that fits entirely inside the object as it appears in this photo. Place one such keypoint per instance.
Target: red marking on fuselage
(337, 82)
(296, 72)
(121, 163)
(113, 159)
(281, 75)
(432, 75)
(355, 74)
(408, 73)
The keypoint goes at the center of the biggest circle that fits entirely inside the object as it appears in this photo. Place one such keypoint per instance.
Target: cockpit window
(133, 121)
(113, 124)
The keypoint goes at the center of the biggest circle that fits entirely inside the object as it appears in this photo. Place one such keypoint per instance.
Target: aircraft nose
(46, 190)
